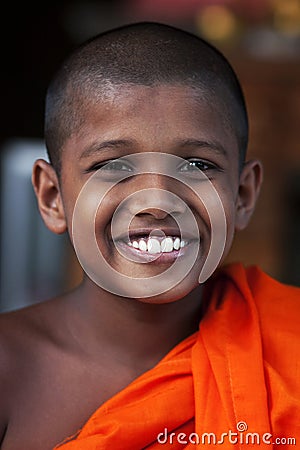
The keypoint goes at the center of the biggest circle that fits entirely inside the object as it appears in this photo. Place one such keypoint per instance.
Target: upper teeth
(155, 245)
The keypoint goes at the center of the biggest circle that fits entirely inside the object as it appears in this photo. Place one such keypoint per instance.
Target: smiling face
(153, 227)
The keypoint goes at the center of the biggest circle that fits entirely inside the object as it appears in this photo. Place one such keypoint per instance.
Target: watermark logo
(241, 426)
(239, 436)
(102, 182)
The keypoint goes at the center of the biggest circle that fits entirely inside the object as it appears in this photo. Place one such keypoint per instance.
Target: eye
(115, 165)
(194, 165)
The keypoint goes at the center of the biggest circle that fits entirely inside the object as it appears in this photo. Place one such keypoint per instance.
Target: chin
(176, 293)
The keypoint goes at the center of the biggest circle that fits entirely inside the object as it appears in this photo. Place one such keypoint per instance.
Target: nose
(159, 203)
(157, 198)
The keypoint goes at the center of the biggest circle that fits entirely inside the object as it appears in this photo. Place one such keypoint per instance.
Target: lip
(138, 255)
(161, 232)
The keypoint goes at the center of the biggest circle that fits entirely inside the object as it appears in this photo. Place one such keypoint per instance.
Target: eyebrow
(97, 147)
(201, 143)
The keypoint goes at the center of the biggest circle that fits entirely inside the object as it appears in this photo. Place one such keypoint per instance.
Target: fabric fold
(222, 386)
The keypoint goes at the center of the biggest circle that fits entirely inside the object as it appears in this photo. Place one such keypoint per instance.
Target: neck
(133, 331)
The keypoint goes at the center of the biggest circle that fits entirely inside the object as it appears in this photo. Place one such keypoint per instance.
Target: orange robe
(237, 378)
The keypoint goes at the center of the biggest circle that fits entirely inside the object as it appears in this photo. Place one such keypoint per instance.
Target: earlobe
(249, 188)
(46, 187)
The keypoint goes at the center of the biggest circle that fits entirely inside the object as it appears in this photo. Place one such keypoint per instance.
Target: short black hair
(143, 53)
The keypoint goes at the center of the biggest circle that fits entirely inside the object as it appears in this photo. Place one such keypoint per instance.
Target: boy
(146, 130)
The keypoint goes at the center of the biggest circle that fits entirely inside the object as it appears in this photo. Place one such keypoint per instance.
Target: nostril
(155, 202)
(157, 213)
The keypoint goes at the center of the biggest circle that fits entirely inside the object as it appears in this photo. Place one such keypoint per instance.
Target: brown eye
(117, 166)
(195, 165)
(113, 166)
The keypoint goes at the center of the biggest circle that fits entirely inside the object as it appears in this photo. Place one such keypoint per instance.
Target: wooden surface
(272, 91)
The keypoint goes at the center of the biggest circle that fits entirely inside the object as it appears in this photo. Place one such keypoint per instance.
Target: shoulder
(277, 302)
(277, 307)
(35, 323)
(24, 331)
(23, 335)
(19, 331)
(273, 299)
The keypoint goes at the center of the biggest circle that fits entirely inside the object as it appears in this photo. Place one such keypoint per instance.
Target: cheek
(216, 209)
(104, 215)
(228, 202)
(210, 204)
(88, 206)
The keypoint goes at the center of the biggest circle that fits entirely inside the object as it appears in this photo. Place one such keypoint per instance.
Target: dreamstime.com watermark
(240, 436)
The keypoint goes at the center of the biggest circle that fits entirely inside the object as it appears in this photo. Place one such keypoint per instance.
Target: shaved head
(145, 54)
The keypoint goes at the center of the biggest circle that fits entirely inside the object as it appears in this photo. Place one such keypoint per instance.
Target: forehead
(153, 117)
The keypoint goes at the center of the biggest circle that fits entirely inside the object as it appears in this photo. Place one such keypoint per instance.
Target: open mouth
(153, 248)
(155, 245)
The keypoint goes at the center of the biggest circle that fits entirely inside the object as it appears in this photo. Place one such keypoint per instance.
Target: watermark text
(240, 436)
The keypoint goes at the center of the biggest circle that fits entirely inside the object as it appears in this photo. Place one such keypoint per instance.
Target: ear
(249, 188)
(46, 186)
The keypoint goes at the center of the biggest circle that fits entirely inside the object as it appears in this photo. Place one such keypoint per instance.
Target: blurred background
(261, 39)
